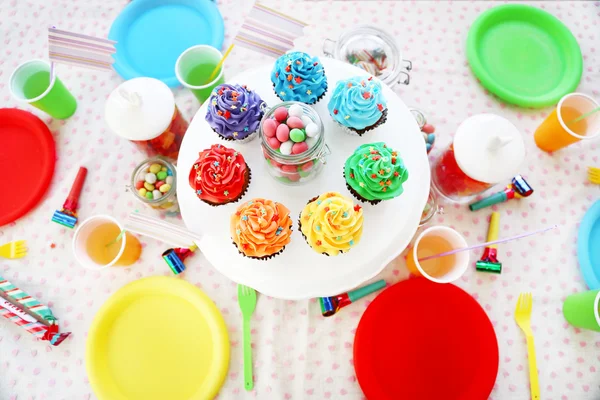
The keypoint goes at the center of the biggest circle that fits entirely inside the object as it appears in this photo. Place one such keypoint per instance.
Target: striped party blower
(80, 50)
(28, 313)
(268, 31)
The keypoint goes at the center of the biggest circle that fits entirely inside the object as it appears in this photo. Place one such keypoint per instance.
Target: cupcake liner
(354, 132)
(263, 258)
(247, 139)
(310, 104)
(355, 193)
(242, 193)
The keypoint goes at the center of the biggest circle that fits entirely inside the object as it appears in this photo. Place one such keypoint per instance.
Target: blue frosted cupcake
(358, 105)
(299, 77)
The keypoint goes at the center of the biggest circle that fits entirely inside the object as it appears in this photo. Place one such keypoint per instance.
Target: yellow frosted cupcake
(261, 228)
(331, 223)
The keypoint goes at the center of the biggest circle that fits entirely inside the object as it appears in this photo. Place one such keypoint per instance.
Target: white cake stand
(299, 272)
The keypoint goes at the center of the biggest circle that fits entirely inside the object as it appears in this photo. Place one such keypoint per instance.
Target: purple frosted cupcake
(234, 112)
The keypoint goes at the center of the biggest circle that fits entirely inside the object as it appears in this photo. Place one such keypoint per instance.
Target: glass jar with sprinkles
(293, 142)
(154, 183)
(373, 50)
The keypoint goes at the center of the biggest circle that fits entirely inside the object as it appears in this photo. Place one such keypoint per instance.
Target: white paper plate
(299, 272)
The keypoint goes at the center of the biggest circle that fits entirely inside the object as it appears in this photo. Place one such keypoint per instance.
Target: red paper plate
(27, 150)
(426, 341)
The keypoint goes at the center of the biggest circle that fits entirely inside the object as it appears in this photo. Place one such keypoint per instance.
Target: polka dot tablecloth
(298, 354)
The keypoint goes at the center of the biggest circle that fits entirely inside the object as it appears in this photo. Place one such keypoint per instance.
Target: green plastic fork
(247, 302)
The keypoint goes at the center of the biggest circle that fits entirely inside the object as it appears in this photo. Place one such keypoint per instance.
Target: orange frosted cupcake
(261, 228)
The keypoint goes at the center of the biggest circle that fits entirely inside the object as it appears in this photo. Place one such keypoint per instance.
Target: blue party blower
(68, 215)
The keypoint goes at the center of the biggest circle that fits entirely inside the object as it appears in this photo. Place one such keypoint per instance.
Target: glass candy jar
(293, 167)
(143, 110)
(487, 149)
(154, 183)
(373, 50)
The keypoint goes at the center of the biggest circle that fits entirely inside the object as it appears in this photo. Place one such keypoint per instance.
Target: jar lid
(489, 148)
(140, 109)
(373, 50)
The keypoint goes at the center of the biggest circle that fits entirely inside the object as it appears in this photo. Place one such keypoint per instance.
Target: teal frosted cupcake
(358, 105)
(299, 77)
(374, 172)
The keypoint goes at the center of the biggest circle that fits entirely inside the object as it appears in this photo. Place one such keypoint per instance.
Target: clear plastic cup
(193, 68)
(560, 129)
(98, 244)
(581, 310)
(31, 82)
(436, 240)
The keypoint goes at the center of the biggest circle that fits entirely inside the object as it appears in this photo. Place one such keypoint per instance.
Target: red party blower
(68, 215)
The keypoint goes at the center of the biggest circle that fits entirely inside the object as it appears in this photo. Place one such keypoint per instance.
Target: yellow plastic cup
(97, 245)
(558, 130)
(436, 240)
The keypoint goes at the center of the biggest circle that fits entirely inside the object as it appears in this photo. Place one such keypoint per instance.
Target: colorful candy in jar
(373, 61)
(290, 132)
(154, 182)
(143, 111)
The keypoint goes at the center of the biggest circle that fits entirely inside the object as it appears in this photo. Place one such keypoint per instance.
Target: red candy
(452, 180)
(307, 166)
(293, 177)
(295, 122)
(158, 184)
(428, 128)
(299, 148)
(139, 185)
(281, 114)
(269, 127)
(283, 133)
(274, 143)
(289, 168)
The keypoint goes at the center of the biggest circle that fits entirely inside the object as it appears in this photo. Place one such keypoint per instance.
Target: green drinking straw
(115, 240)
(587, 114)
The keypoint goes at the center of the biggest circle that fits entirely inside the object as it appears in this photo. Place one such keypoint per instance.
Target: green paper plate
(524, 55)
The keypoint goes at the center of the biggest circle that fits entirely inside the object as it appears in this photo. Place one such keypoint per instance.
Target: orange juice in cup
(436, 240)
(563, 126)
(98, 243)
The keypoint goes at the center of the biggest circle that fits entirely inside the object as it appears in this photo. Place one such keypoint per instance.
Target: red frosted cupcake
(220, 175)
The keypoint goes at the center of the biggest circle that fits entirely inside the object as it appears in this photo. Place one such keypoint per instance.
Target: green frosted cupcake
(374, 173)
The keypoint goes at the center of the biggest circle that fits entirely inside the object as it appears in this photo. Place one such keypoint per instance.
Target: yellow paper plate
(157, 338)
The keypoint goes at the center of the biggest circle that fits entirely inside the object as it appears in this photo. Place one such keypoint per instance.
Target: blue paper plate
(151, 34)
(588, 246)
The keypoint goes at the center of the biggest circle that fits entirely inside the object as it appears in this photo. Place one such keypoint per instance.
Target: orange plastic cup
(98, 244)
(558, 130)
(436, 240)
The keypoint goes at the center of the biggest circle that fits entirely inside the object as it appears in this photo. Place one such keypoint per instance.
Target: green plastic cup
(30, 82)
(193, 68)
(581, 310)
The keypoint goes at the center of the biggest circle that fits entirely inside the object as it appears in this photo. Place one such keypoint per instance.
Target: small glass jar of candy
(373, 50)
(143, 110)
(293, 142)
(154, 183)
